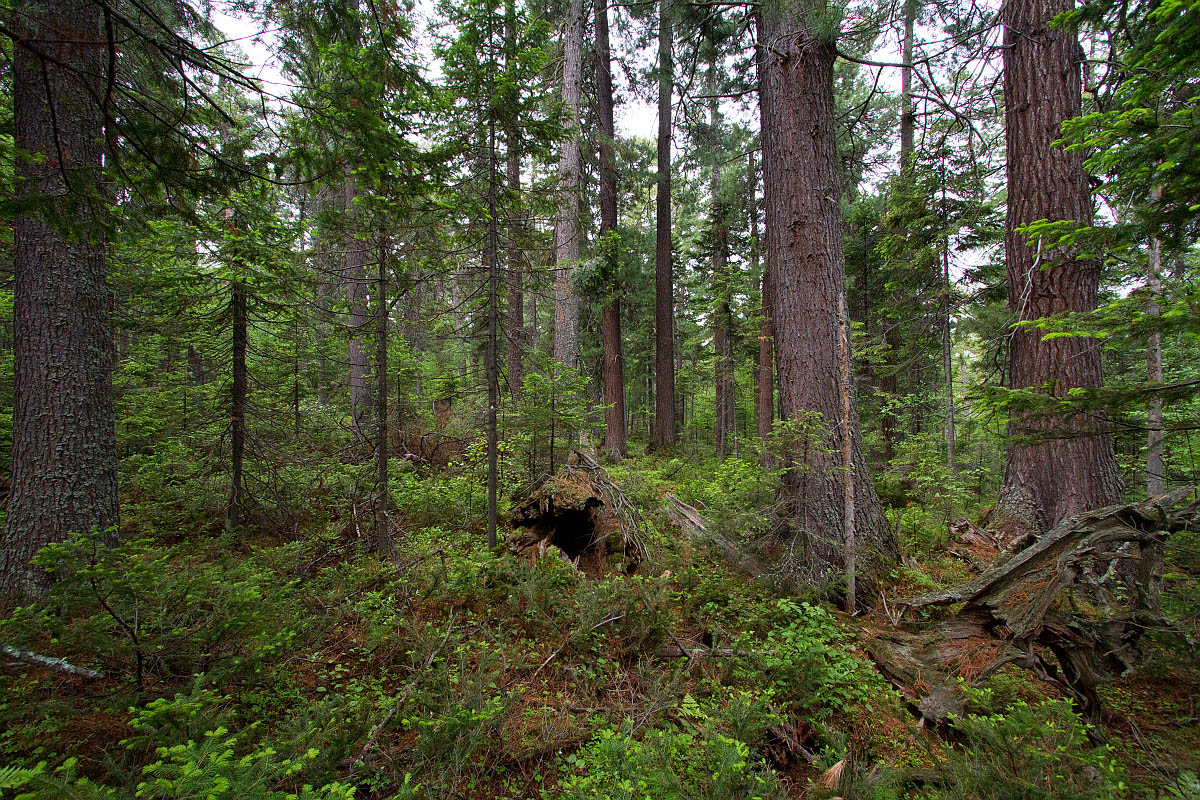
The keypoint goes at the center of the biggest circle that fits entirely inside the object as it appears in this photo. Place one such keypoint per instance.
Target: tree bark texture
(567, 235)
(356, 292)
(804, 251)
(722, 321)
(64, 469)
(1057, 465)
(664, 292)
(613, 370)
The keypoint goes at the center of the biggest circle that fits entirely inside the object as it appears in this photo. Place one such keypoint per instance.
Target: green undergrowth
(296, 665)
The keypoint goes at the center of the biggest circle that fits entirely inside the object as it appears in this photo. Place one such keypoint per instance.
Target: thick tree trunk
(610, 319)
(1057, 465)
(804, 250)
(722, 321)
(64, 468)
(567, 236)
(664, 292)
(356, 292)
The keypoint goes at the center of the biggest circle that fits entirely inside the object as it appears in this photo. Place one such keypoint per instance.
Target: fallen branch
(56, 664)
(403, 698)
(679, 651)
(695, 527)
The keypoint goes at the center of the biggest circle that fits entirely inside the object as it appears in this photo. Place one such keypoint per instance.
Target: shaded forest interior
(558, 399)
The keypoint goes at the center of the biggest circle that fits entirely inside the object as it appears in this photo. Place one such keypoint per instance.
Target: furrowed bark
(64, 468)
(1057, 465)
(804, 250)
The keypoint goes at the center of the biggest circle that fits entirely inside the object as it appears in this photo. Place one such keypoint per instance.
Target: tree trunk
(613, 372)
(356, 293)
(723, 368)
(664, 293)
(764, 374)
(567, 235)
(1058, 465)
(516, 301)
(492, 367)
(326, 283)
(1155, 476)
(907, 115)
(64, 467)
(947, 369)
(804, 250)
(383, 534)
(236, 514)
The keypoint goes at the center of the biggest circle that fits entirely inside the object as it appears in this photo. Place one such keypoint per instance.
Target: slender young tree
(64, 468)
(722, 282)
(1057, 465)
(355, 279)
(235, 515)
(515, 318)
(1155, 476)
(664, 291)
(613, 372)
(383, 534)
(804, 250)
(764, 372)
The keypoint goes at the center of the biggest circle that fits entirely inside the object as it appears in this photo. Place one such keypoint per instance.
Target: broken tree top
(1072, 607)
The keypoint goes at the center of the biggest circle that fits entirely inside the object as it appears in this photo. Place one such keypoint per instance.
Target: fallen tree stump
(1057, 608)
(578, 513)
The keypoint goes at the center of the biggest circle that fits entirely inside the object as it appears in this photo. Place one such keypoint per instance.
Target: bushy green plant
(148, 609)
(1030, 751)
(806, 661)
(665, 764)
(214, 764)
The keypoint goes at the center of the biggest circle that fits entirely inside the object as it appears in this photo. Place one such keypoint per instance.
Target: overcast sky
(633, 117)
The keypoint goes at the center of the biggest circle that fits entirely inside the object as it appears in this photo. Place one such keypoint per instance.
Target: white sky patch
(633, 117)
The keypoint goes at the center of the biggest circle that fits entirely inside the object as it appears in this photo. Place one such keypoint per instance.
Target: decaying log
(1057, 608)
(56, 664)
(974, 545)
(578, 512)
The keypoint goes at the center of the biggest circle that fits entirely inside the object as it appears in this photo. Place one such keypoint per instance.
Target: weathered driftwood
(1058, 608)
(581, 512)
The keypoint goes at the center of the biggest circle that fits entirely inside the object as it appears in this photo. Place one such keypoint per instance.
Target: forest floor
(267, 665)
